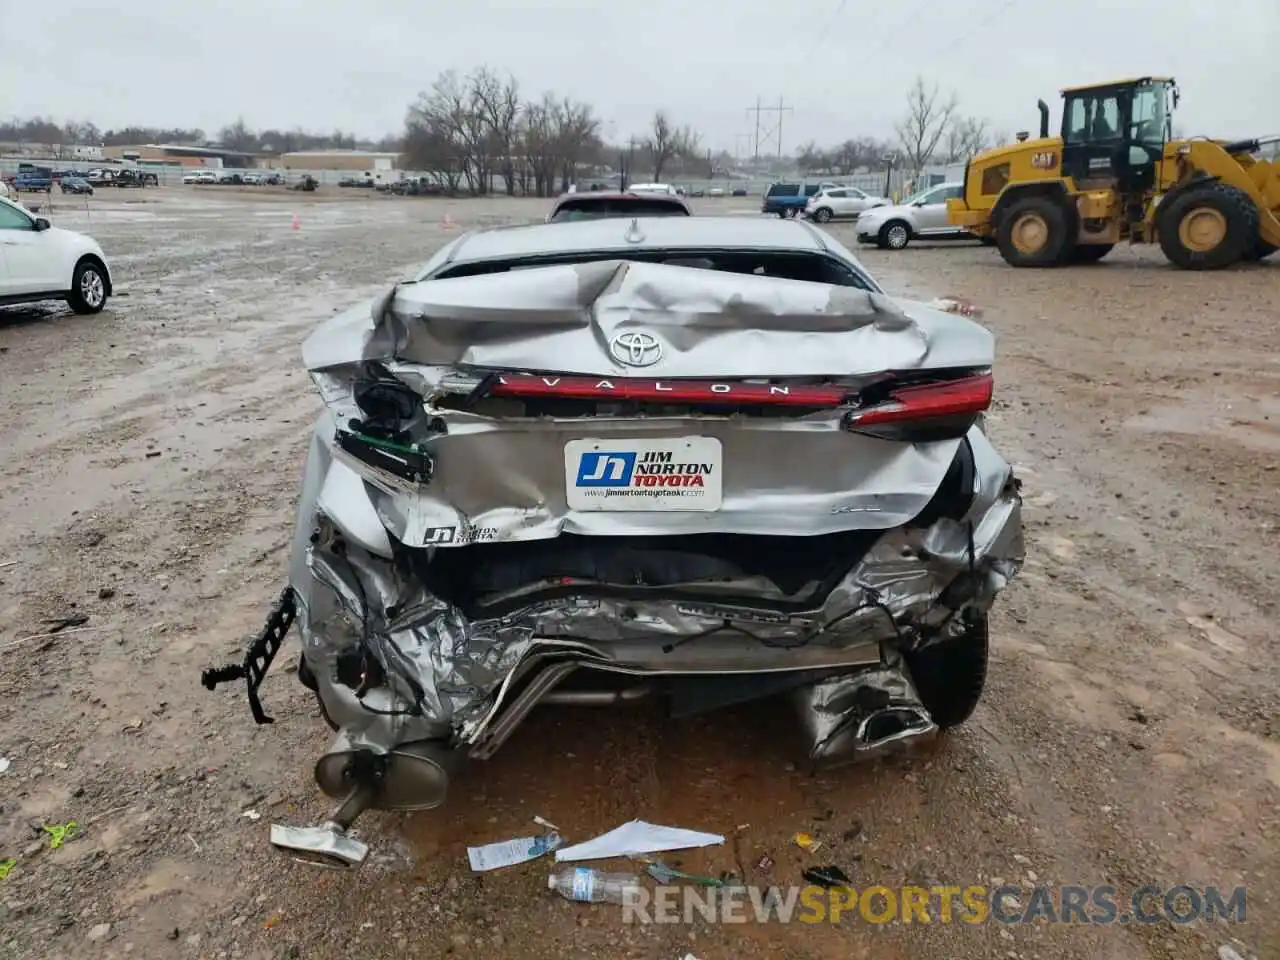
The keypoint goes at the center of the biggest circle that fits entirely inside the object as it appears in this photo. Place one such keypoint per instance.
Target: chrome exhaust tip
(864, 714)
(891, 729)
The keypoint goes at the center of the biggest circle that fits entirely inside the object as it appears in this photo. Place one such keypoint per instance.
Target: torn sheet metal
(713, 324)
(394, 661)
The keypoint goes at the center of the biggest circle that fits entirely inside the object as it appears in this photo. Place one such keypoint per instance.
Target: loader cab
(1115, 133)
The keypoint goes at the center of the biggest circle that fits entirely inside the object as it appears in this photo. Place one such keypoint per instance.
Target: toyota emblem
(636, 349)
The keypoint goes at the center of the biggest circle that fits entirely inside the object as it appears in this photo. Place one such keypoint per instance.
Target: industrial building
(354, 160)
(182, 155)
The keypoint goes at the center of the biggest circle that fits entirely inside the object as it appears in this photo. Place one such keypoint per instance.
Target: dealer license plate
(684, 474)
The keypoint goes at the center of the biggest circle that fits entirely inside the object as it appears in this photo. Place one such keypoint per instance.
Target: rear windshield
(810, 190)
(810, 267)
(783, 190)
(589, 208)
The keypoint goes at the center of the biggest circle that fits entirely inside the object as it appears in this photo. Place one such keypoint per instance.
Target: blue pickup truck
(32, 183)
(788, 199)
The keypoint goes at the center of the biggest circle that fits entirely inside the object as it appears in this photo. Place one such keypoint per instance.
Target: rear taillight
(925, 411)
(699, 392)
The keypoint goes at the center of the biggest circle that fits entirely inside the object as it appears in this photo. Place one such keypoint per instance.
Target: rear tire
(950, 675)
(1208, 227)
(1089, 252)
(822, 215)
(894, 235)
(1034, 233)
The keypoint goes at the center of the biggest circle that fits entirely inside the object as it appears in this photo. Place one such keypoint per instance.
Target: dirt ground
(1129, 733)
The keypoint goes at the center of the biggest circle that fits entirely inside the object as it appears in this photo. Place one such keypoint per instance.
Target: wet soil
(1130, 733)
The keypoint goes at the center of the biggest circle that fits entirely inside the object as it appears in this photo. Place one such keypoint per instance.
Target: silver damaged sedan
(700, 459)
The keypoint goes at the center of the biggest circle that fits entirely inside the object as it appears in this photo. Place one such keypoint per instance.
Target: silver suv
(922, 216)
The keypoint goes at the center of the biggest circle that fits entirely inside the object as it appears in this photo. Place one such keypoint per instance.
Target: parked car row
(232, 178)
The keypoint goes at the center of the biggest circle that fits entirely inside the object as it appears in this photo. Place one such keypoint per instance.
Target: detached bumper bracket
(259, 655)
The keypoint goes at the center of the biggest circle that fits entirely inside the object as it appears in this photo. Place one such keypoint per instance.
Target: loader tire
(1089, 252)
(1262, 250)
(1208, 227)
(950, 675)
(1034, 232)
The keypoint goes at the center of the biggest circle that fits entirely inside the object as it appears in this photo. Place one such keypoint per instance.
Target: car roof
(659, 233)
(614, 195)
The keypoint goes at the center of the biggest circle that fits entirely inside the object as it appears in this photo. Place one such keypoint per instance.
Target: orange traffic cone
(296, 224)
(448, 222)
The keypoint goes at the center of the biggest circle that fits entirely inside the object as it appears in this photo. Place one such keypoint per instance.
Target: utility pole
(780, 109)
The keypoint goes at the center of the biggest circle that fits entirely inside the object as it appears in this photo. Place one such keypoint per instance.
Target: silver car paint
(448, 678)
(928, 220)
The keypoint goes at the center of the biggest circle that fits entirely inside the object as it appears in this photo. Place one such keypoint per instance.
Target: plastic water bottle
(593, 886)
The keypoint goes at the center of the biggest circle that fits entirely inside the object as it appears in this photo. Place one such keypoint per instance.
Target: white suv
(830, 203)
(40, 262)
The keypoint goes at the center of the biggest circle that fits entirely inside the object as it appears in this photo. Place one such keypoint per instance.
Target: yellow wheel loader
(1116, 173)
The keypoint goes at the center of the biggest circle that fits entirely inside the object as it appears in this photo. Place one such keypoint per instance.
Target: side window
(949, 193)
(838, 194)
(11, 219)
(1093, 118)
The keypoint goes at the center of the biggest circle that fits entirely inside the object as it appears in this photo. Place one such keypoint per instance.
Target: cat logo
(1044, 161)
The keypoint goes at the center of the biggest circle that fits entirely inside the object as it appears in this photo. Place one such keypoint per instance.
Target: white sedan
(40, 262)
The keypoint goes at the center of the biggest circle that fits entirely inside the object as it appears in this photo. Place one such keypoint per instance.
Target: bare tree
(237, 136)
(576, 136)
(966, 137)
(662, 143)
(925, 124)
(1001, 138)
(498, 104)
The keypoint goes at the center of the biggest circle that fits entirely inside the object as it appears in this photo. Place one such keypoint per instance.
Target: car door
(931, 214)
(855, 201)
(30, 262)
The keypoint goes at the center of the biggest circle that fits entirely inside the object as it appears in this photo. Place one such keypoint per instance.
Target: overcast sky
(842, 68)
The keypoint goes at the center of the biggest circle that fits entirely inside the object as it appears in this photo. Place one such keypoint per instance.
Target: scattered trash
(806, 842)
(507, 853)
(587, 885)
(4, 764)
(253, 815)
(60, 833)
(271, 921)
(6, 866)
(546, 823)
(8, 563)
(296, 222)
(966, 308)
(1228, 953)
(664, 874)
(765, 863)
(194, 844)
(154, 453)
(827, 876)
(637, 837)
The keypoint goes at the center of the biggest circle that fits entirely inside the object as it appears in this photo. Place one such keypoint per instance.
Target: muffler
(866, 714)
(412, 776)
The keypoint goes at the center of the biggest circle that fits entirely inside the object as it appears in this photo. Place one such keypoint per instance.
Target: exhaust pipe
(412, 776)
(867, 714)
(1044, 118)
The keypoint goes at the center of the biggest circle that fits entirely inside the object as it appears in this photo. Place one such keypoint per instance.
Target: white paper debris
(253, 815)
(638, 837)
(506, 853)
(4, 764)
(546, 823)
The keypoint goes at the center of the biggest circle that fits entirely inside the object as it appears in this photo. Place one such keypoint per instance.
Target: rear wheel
(822, 214)
(1089, 252)
(894, 235)
(950, 675)
(1034, 233)
(1208, 227)
(789, 213)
